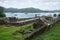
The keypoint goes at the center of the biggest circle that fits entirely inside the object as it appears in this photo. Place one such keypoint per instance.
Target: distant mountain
(27, 10)
(11, 10)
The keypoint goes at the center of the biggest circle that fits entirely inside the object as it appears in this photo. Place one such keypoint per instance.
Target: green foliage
(6, 33)
(2, 12)
(55, 15)
(52, 34)
(58, 15)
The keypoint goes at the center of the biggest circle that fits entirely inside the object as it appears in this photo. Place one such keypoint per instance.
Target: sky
(41, 4)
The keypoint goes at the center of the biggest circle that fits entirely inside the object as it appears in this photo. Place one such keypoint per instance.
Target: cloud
(1, 4)
(42, 4)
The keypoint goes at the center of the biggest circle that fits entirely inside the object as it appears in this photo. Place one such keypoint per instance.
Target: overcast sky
(41, 4)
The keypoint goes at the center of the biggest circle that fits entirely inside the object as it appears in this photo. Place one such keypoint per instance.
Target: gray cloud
(41, 4)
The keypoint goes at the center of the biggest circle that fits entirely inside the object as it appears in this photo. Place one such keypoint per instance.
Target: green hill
(28, 10)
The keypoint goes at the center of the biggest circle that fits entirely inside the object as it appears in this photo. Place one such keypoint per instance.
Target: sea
(28, 15)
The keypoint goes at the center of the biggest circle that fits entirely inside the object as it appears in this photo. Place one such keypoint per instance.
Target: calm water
(28, 15)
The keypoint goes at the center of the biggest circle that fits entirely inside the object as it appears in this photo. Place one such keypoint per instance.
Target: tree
(55, 15)
(58, 15)
(2, 12)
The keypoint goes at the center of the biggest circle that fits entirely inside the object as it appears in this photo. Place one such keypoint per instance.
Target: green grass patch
(52, 34)
(6, 32)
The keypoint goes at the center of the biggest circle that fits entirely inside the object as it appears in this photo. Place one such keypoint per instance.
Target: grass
(52, 34)
(6, 32)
